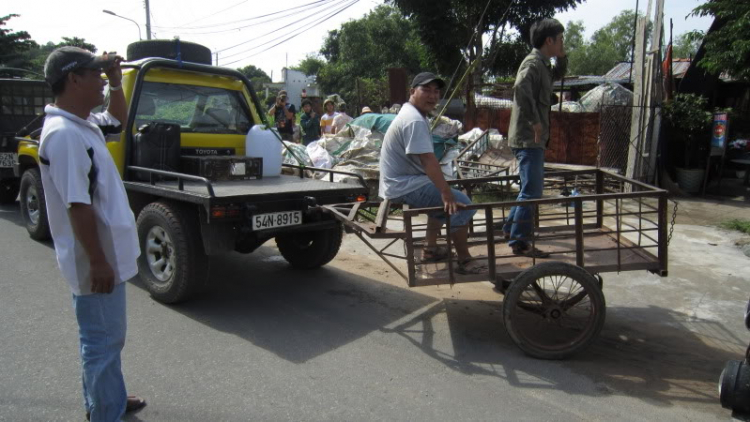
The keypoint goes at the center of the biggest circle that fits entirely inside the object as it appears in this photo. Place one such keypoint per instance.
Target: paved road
(348, 342)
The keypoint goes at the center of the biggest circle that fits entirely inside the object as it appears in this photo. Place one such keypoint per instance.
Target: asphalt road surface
(350, 342)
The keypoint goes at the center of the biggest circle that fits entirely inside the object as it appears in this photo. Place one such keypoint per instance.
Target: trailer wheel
(553, 310)
(310, 250)
(168, 49)
(33, 205)
(9, 189)
(172, 263)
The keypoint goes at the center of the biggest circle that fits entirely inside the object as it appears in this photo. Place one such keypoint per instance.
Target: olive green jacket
(532, 99)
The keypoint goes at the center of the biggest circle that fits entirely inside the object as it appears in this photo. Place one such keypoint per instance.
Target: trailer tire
(34, 205)
(168, 49)
(9, 189)
(309, 250)
(544, 320)
(172, 264)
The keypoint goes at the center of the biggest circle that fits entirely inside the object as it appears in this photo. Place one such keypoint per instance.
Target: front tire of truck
(33, 205)
(172, 264)
(9, 189)
(309, 250)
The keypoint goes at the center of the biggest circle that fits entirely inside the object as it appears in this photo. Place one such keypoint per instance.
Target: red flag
(666, 71)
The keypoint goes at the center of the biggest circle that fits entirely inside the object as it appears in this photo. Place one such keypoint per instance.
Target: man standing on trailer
(90, 218)
(528, 134)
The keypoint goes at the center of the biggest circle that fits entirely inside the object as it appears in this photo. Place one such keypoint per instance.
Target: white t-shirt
(340, 121)
(66, 143)
(401, 171)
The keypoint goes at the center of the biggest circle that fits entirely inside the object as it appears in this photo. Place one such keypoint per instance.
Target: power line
(273, 31)
(325, 18)
(241, 20)
(257, 23)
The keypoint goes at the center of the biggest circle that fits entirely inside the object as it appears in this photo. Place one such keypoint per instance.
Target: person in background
(326, 122)
(284, 114)
(310, 122)
(528, 134)
(93, 228)
(341, 119)
(365, 110)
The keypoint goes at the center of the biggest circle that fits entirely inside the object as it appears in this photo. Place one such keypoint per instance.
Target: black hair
(305, 102)
(59, 87)
(543, 29)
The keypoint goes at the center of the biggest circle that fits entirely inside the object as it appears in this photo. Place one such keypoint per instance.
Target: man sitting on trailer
(528, 134)
(411, 174)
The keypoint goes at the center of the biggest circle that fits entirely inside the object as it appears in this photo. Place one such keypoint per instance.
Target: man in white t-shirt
(411, 174)
(90, 218)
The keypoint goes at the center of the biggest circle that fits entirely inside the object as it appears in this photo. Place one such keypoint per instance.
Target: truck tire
(9, 189)
(172, 264)
(189, 51)
(310, 250)
(33, 205)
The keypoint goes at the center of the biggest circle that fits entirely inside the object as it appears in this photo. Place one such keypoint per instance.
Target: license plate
(277, 219)
(7, 159)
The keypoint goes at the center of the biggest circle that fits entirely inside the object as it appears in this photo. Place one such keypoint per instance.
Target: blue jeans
(520, 222)
(429, 196)
(101, 326)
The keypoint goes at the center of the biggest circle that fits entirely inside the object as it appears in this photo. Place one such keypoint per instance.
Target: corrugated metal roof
(622, 70)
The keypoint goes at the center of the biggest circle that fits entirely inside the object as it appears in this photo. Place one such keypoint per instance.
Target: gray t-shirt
(401, 171)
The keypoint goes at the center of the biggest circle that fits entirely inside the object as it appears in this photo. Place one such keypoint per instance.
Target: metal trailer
(553, 307)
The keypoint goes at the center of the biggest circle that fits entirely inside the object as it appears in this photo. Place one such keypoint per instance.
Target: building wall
(294, 82)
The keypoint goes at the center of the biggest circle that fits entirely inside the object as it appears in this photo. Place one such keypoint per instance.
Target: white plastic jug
(264, 143)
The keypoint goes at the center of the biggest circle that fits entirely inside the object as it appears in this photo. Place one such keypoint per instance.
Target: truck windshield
(197, 109)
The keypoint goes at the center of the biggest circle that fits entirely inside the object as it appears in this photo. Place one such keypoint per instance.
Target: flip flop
(465, 267)
(437, 254)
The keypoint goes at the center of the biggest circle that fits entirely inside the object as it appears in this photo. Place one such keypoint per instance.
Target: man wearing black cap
(90, 219)
(528, 134)
(411, 174)
(284, 115)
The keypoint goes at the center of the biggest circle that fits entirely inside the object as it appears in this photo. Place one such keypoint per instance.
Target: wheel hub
(160, 254)
(32, 205)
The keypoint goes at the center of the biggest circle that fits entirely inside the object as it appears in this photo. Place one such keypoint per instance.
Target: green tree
(13, 45)
(77, 42)
(310, 65)
(367, 47)
(728, 48)
(256, 75)
(686, 45)
(446, 26)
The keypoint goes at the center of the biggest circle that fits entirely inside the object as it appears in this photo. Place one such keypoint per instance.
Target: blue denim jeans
(101, 326)
(520, 221)
(429, 196)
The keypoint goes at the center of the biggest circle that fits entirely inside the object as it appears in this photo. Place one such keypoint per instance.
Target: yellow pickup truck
(183, 217)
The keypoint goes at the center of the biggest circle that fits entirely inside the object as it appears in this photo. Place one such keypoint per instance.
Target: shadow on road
(296, 315)
(676, 359)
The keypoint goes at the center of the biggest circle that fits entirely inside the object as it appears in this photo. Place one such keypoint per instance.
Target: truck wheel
(310, 250)
(9, 191)
(189, 51)
(553, 310)
(33, 205)
(172, 264)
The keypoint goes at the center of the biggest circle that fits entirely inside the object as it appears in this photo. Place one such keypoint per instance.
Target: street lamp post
(109, 12)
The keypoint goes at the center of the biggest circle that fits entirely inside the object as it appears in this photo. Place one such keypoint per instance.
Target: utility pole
(217, 58)
(148, 21)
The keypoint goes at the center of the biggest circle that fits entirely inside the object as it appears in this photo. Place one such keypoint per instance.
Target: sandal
(465, 267)
(436, 254)
(529, 251)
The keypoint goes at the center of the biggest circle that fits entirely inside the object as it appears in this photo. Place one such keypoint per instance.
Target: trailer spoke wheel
(554, 310)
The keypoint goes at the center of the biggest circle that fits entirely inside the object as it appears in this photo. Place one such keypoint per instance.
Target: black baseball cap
(425, 78)
(67, 59)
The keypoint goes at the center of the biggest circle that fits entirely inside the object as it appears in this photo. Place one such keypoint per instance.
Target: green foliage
(728, 49)
(688, 120)
(13, 45)
(446, 26)
(310, 65)
(608, 46)
(77, 42)
(365, 48)
(256, 75)
(737, 224)
(686, 45)
(508, 55)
